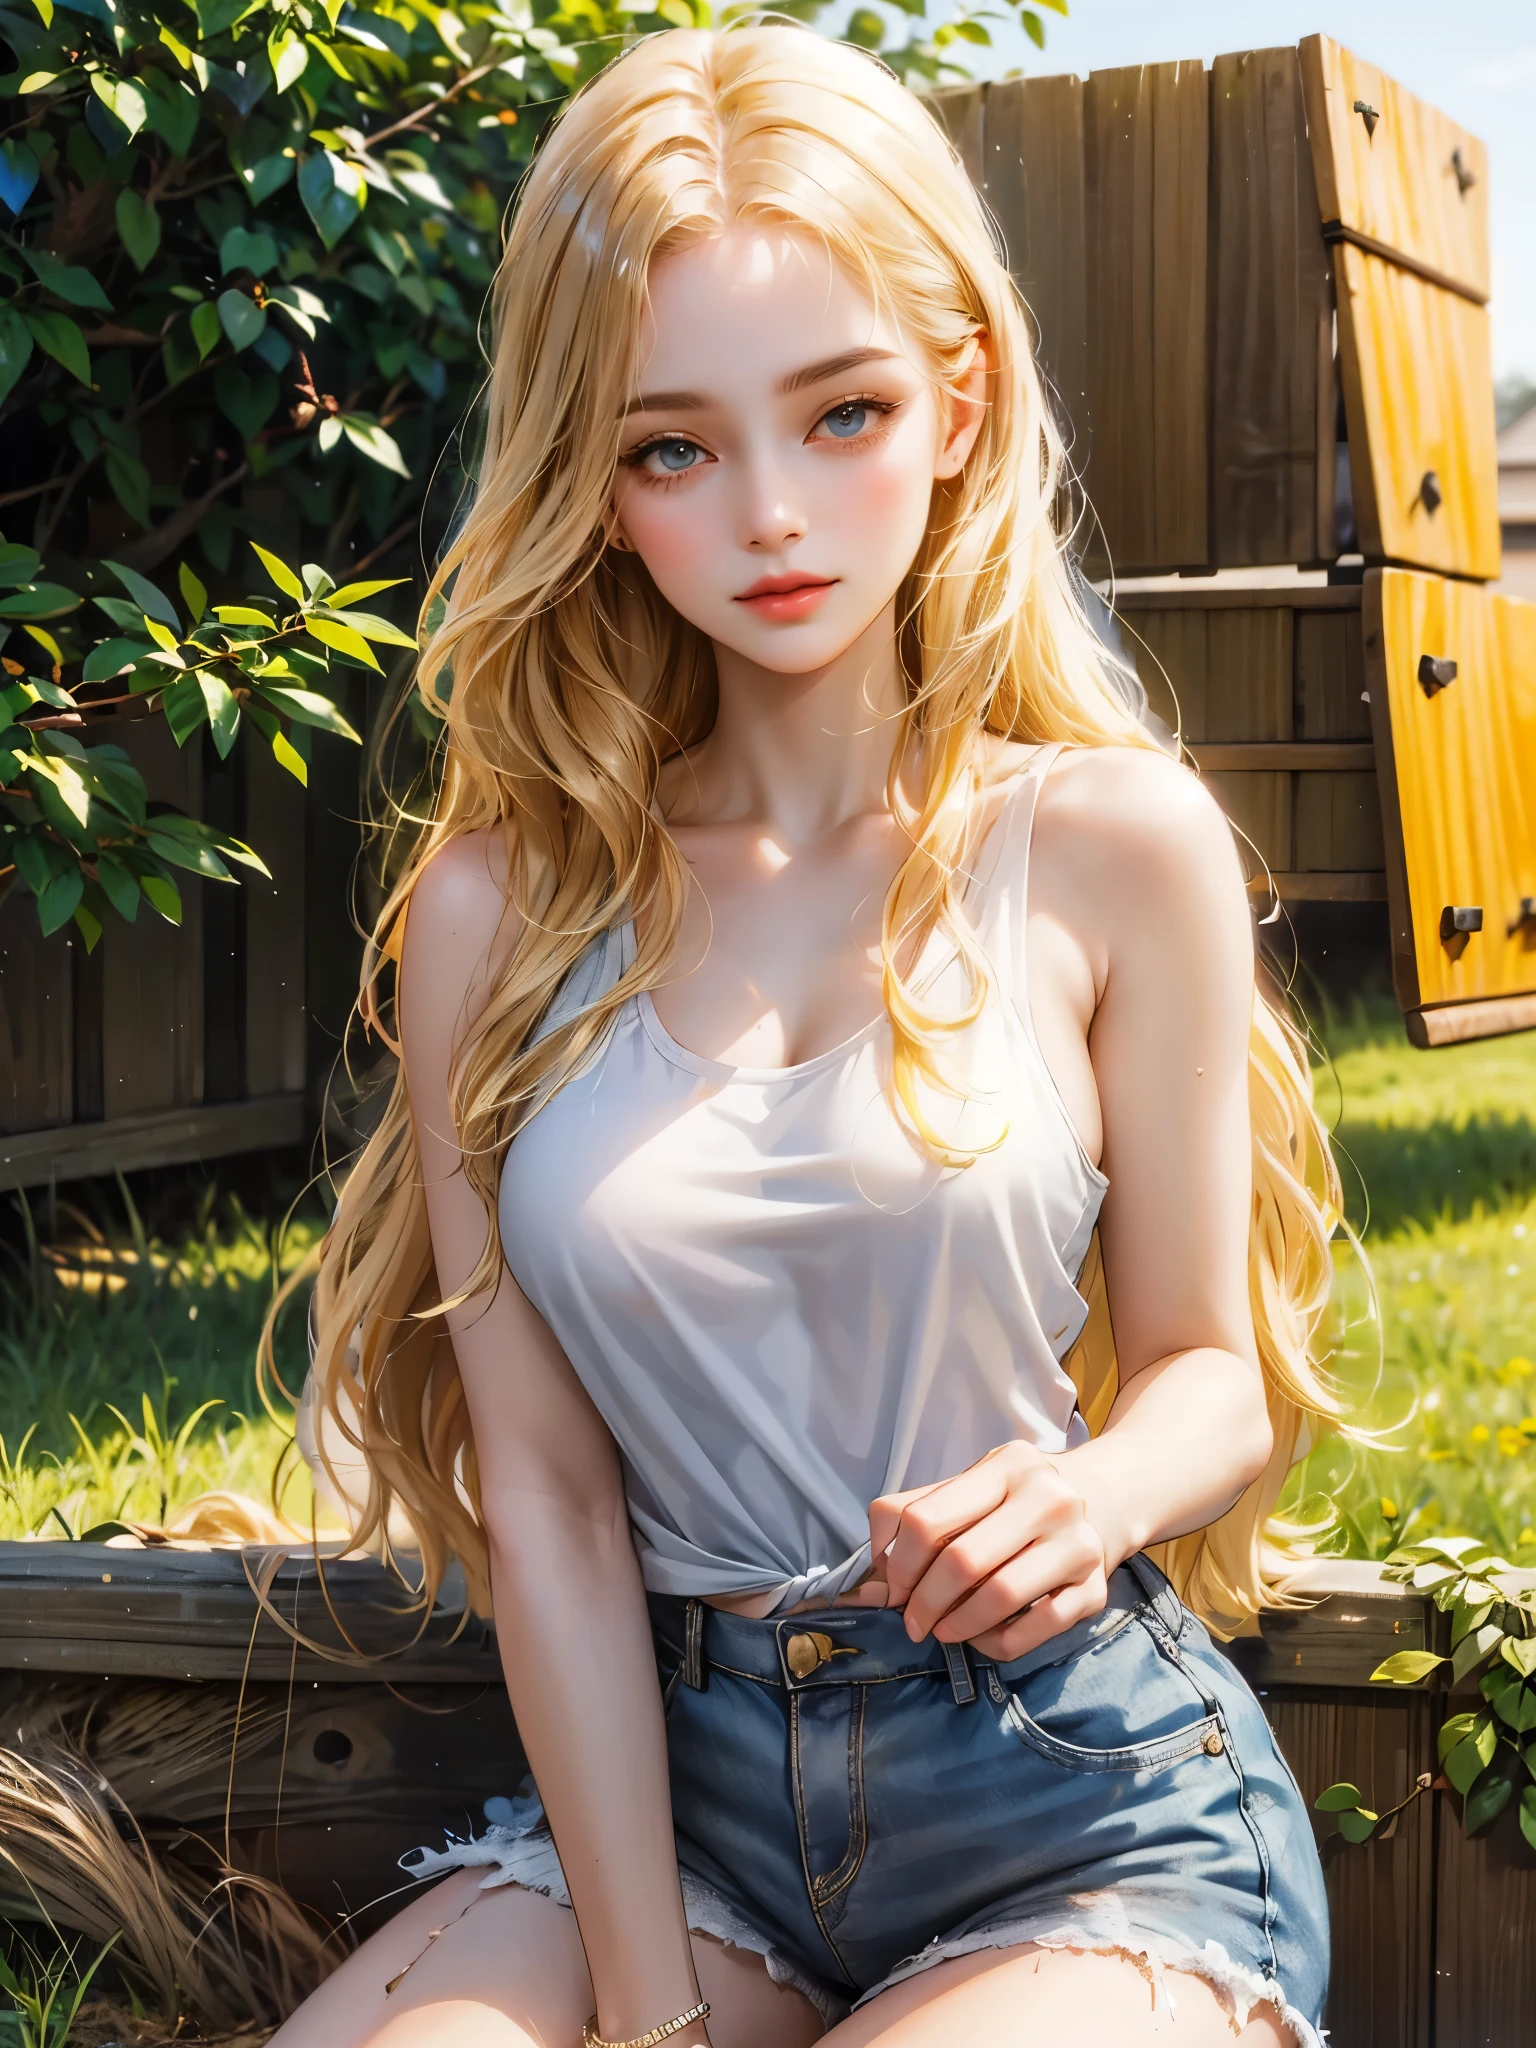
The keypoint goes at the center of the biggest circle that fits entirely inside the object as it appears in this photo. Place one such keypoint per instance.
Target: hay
(228, 1948)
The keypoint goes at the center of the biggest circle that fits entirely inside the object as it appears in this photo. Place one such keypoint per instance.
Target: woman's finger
(1048, 1617)
(1053, 1566)
(1029, 1514)
(936, 1516)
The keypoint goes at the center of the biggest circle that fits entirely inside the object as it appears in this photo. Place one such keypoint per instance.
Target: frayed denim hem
(528, 1859)
(1100, 1925)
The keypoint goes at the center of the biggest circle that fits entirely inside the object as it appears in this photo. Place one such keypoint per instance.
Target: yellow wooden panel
(1418, 393)
(1457, 772)
(1411, 180)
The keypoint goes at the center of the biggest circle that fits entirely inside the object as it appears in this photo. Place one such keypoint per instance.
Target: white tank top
(779, 1302)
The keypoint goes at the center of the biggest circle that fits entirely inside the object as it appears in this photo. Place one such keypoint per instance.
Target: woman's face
(779, 458)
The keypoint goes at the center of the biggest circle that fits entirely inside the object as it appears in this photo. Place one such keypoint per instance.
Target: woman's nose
(772, 513)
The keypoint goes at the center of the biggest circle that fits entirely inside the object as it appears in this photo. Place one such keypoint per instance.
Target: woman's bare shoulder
(461, 922)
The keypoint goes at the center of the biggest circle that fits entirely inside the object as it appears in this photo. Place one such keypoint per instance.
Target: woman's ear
(963, 407)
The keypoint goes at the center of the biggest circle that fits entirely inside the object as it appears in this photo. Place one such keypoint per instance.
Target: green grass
(127, 1356)
(117, 1329)
(1443, 1364)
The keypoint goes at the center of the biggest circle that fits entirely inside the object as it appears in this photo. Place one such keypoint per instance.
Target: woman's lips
(783, 598)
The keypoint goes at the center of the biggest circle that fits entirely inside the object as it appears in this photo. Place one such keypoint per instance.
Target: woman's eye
(847, 420)
(676, 456)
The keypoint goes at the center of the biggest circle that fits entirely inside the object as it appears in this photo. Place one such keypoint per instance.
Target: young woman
(809, 954)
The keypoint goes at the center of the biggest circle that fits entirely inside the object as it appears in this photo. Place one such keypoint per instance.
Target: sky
(1476, 60)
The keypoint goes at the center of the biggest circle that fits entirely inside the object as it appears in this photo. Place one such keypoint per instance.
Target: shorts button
(1213, 1744)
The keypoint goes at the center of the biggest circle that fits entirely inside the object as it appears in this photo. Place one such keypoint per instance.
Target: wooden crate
(331, 1766)
(1211, 260)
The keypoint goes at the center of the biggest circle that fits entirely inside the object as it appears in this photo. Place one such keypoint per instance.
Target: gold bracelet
(591, 2038)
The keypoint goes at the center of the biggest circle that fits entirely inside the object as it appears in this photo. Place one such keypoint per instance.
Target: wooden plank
(1369, 887)
(1457, 1023)
(1251, 663)
(1146, 157)
(1395, 180)
(165, 1137)
(1260, 807)
(1330, 756)
(36, 1017)
(152, 972)
(1272, 319)
(1457, 775)
(1331, 701)
(1417, 372)
(1381, 1895)
(1338, 822)
(1170, 651)
(1034, 184)
(960, 110)
(1195, 594)
(1485, 1935)
(275, 1022)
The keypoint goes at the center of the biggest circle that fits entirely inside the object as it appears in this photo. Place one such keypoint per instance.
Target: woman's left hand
(1003, 1556)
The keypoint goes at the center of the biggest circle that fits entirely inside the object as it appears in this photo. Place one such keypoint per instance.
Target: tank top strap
(599, 967)
(999, 886)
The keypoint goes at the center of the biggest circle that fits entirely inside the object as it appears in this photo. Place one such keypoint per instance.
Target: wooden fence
(328, 1773)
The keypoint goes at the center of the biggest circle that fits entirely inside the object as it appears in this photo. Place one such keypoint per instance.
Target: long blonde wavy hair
(562, 680)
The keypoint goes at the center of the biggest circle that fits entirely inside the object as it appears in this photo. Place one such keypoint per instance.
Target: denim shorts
(856, 1807)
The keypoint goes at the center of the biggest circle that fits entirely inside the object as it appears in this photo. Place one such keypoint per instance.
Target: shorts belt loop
(1162, 1599)
(695, 1671)
(962, 1682)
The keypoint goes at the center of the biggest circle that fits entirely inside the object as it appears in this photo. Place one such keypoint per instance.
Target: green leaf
(242, 250)
(1520, 1656)
(58, 336)
(1470, 1757)
(247, 400)
(1338, 1799)
(123, 98)
(206, 327)
(343, 639)
(1468, 1618)
(162, 894)
(288, 56)
(20, 565)
(150, 600)
(68, 281)
(15, 348)
(56, 903)
(370, 439)
(39, 601)
(1033, 27)
(287, 756)
(194, 596)
(241, 319)
(365, 623)
(308, 707)
(354, 593)
(89, 926)
(242, 615)
(1408, 1667)
(1486, 1801)
(1528, 1815)
(1359, 1825)
(185, 708)
(129, 480)
(223, 713)
(118, 885)
(173, 110)
(1472, 1649)
(139, 226)
(281, 575)
(1452, 1731)
(332, 192)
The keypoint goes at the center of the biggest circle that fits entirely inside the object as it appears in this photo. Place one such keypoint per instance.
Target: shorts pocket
(1124, 1705)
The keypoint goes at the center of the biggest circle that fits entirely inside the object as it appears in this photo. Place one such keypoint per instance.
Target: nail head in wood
(1431, 497)
(1436, 672)
(1368, 115)
(1466, 178)
(1459, 918)
(1525, 916)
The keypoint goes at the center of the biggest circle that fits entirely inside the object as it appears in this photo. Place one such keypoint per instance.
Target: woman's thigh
(1033, 1997)
(505, 1969)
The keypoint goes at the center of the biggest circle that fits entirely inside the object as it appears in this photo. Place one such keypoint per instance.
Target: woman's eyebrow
(797, 380)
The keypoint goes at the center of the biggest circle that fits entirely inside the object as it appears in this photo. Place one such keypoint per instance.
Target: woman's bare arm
(1135, 866)
(570, 1608)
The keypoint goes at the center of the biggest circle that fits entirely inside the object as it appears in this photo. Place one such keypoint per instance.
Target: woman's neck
(800, 754)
